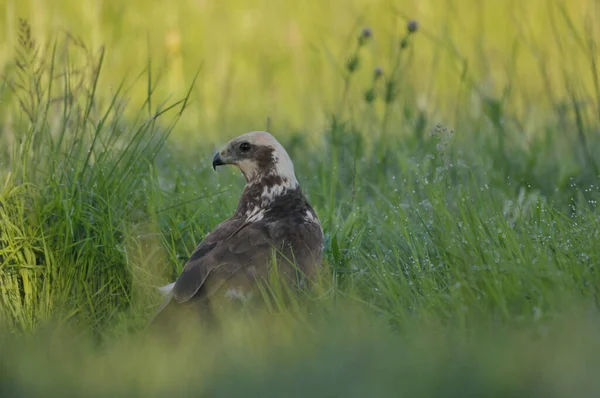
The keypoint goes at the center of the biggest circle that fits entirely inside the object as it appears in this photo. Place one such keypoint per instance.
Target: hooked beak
(218, 161)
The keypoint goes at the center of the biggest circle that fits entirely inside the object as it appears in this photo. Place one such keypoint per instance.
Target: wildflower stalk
(391, 80)
(352, 65)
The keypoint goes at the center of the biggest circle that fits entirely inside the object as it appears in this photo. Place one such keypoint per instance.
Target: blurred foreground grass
(464, 254)
(350, 355)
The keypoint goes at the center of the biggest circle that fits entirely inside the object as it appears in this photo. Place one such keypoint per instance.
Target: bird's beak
(218, 161)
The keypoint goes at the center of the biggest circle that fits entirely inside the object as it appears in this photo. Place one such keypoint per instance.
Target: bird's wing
(304, 242)
(232, 245)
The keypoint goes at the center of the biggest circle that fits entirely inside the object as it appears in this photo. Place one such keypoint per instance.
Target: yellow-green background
(275, 59)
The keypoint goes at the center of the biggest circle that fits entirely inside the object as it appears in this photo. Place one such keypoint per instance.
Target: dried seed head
(412, 26)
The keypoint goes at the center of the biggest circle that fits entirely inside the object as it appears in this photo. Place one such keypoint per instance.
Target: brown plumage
(273, 219)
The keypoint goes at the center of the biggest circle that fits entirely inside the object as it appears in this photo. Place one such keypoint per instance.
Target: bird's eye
(244, 147)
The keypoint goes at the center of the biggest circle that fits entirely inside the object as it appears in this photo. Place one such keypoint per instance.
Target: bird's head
(259, 156)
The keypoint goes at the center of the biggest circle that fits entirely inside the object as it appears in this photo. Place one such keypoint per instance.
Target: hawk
(273, 221)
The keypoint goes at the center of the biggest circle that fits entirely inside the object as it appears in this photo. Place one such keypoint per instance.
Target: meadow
(451, 150)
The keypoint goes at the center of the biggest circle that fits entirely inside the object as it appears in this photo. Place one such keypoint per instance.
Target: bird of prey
(273, 221)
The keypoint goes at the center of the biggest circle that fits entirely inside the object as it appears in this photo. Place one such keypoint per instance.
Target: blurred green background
(281, 59)
(458, 192)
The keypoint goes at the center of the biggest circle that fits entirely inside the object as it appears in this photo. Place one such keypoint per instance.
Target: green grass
(462, 237)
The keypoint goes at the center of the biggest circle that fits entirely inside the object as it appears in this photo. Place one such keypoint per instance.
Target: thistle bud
(412, 26)
(352, 63)
(365, 35)
(370, 95)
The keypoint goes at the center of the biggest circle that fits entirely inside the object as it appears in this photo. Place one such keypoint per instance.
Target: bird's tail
(167, 292)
